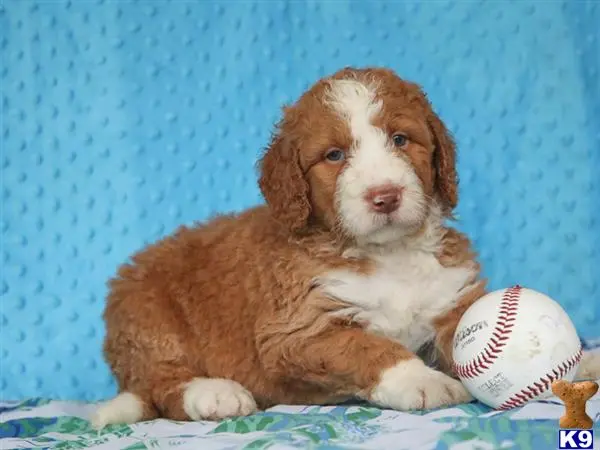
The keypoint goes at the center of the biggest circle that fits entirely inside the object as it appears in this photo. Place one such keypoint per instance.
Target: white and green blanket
(42, 423)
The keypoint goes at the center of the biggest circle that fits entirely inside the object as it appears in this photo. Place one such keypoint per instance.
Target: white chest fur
(400, 299)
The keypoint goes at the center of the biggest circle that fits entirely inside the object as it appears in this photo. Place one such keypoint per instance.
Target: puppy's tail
(124, 408)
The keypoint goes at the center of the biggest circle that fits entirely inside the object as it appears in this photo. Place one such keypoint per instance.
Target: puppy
(347, 284)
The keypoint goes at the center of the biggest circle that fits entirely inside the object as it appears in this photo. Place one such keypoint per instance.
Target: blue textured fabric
(122, 120)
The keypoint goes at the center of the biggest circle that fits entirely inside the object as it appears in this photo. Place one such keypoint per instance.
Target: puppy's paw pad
(216, 399)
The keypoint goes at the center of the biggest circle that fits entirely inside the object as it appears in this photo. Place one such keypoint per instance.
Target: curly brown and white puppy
(347, 284)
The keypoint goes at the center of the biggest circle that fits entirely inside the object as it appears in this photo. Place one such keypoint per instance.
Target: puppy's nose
(384, 199)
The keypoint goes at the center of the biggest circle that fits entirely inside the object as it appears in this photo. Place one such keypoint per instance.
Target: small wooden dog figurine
(575, 396)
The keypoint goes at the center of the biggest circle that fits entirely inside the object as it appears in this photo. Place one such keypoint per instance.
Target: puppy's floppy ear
(283, 184)
(445, 162)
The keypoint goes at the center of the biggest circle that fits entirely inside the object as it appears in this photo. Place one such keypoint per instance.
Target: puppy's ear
(445, 162)
(283, 184)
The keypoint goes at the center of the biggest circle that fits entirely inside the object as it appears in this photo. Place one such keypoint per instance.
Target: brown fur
(233, 298)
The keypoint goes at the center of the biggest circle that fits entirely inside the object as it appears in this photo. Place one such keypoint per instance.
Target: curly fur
(281, 303)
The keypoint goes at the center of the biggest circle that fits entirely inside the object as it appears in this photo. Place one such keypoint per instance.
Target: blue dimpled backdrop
(122, 120)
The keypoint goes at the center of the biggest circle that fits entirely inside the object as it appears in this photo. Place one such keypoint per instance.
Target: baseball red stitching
(502, 330)
(533, 390)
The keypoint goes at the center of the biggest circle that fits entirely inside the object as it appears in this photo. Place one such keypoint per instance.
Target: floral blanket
(42, 423)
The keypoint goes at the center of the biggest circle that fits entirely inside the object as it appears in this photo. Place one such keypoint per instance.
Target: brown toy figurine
(575, 396)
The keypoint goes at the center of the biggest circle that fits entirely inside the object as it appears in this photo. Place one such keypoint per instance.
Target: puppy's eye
(400, 140)
(335, 155)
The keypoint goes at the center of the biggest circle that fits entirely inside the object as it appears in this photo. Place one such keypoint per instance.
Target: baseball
(512, 344)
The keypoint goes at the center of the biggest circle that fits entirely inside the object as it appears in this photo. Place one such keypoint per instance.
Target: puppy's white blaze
(371, 164)
(356, 103)
(124, 408)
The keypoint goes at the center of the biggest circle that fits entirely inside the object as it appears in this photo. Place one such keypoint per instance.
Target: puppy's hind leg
(177, 395)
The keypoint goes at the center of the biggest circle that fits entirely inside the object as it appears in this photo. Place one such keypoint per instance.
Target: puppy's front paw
(589, 367)
(412, 385)
(216, 398)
